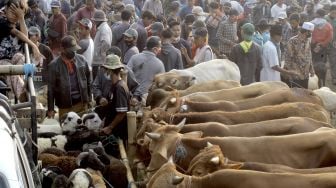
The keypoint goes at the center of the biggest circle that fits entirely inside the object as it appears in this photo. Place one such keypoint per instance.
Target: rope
(295, 84)
(106, 182)
(29, 70)
(110, 140)
(32, 141)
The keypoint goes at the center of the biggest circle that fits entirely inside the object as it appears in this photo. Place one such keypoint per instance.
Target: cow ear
(234, 166)
(194, 134)
(163, 152)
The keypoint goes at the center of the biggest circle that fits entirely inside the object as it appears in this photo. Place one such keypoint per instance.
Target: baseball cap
(55, 3)
(248, 29)
(282, 15)
(131, 33)
(198, 11)
(34, 31)
(69, 43)
(308, 26)
(86, 22)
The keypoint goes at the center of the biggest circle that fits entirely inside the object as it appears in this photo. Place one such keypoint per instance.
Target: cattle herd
(206, 133)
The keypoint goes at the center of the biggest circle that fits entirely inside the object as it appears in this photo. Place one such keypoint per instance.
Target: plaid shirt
(227, 35)
(298, 57)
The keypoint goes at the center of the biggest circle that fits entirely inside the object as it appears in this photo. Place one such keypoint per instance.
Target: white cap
(198, 11)
(282, 15)
(308, 26)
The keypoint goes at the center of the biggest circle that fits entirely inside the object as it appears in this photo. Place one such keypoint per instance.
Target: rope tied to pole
(29, 70)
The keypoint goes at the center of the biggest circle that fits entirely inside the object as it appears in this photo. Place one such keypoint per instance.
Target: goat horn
(173, 100)
(177, 180)
(181, 124)
(209, 144)
(215, 160)
(153, 136)
(80, 157)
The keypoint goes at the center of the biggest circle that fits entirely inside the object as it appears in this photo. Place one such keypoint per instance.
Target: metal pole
(33, 106)
(21, 105)
(11, 70)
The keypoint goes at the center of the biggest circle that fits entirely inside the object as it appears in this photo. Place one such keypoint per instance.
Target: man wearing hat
(247, 55)
(41, 76)
(271, 54)
(298, 57)
(87, 12)
(117, 104)
(130, 39)
(57, 27)
(102, 40)
(86, 42)
(69, 84)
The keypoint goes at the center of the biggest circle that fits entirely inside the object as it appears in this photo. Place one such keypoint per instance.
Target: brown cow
(238, 93)
(272, 98)
(169, 177)
(286, 126)
(172, 81)
(211, 159)
(298, 109)
(156, 96)
(305, 150)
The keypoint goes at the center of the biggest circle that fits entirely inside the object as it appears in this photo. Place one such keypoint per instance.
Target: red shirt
(323, 35)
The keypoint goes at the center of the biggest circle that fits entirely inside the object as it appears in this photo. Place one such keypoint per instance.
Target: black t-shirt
(118, 102)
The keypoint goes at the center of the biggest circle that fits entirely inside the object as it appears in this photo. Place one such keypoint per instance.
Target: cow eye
(69, 118)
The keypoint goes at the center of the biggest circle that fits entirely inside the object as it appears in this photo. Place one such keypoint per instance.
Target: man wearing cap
(57, 27)
(247, 55)
(227, 33)
(86, 42)
(199, 14)
(130, 39)
(146, 65)
(115, 108)
(69, 84)
(169, 55)
(87, 12)
(41, 76)
(102, 40)
(271, 54)
(298, 57)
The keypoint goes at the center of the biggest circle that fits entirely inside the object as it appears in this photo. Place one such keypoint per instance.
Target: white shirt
(269, 60)
(203, 54)
(276, 10)
(88, 54)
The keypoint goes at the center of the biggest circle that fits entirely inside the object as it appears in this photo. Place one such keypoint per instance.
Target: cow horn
(215, 160)
(160, 84)
(153, 136)
(171, 160)
(177, 180)
(172, 100)
(155, 116)
(181, 124)
(209, 144)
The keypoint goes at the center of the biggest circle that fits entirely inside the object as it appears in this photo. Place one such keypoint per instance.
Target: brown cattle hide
(298, 109)
(305, 150)
(268, 99)
(157, 95)
(168, 177)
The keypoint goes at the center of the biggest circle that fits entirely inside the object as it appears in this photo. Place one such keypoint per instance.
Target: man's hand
(134, 101)
(103, 101)
(19, 12)
(106, 130)
(51, 114)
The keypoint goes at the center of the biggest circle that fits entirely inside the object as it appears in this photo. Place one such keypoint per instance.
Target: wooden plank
(124, 159)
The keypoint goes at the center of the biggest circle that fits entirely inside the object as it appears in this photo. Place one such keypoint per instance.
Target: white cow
(328, 97)
(217, 69)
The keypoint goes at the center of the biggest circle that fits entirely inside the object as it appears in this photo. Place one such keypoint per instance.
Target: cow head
(171, 80)
(167, 176)
(156, 97)
(149, 125)
(157, 114)
(305, 95)
(328, 97)
(209, 160)
(165, 142)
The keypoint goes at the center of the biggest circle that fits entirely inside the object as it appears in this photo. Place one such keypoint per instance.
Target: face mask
(69, 54)
(107, 75)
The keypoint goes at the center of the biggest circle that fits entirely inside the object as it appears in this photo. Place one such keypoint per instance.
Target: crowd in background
(83, 48)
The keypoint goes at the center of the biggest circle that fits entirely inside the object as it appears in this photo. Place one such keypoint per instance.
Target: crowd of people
(110, 51)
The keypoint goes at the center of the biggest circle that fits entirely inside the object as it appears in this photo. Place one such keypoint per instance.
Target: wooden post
(131, 126)
(126, 163)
